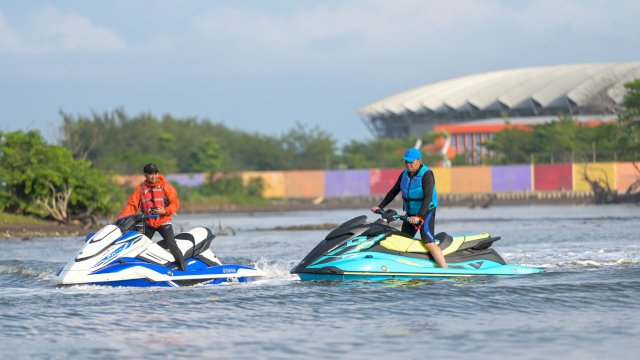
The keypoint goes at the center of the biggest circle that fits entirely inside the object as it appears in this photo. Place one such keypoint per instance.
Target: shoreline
(53, 229)
(366, 202)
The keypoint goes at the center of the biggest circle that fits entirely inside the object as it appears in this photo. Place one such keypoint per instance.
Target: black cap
(150, 168)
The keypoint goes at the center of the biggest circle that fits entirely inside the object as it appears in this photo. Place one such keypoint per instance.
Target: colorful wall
(311, 184)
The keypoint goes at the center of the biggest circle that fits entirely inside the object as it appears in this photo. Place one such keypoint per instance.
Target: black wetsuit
(166, 231)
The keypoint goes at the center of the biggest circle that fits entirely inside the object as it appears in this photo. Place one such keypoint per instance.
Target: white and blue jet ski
(118, 255)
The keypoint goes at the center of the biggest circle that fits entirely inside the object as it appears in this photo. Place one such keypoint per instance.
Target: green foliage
(6, 218)
(44, 179)
(243, 151)
(204, 156)
(309, 148)
(376, 153)
(116, 142)
(122, 144)
(565, 140)
(460, 160)
(231, 185)
(632, 99)
(255, 187)
(630, 121)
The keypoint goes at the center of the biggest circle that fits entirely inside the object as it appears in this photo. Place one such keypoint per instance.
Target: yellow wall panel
(273, 182)
(603, 172)
(443, 179)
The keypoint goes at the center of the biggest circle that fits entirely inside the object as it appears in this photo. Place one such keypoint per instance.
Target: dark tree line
(120, 143)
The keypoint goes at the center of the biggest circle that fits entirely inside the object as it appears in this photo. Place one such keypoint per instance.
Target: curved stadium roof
(586, 89)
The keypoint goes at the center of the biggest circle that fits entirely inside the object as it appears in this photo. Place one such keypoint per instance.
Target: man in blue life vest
(418, 187)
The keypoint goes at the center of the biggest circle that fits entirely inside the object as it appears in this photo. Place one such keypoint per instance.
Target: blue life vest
(413, 194)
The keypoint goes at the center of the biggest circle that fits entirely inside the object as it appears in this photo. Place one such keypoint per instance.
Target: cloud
(47, 30)
(329, 35)
(10, 41)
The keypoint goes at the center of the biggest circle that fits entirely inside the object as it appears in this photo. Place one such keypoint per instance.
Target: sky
(261, 66)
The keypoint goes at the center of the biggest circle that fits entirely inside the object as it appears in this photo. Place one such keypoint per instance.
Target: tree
(120, 143)
(625, 134)
(45, 180)
(630, 120)
(564, 140)
(632, 99)
(204, 155)
(81, 135)
(242, 151)
(310, 148)
(377, 153)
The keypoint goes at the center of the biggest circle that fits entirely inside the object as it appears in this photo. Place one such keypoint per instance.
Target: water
(585, 306)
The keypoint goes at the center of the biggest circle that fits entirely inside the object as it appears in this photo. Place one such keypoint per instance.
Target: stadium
(472, 108)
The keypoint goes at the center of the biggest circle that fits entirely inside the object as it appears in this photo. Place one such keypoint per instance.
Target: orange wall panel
(470, 179)
(129, 180)
(304, 184)
(273, 182)
(604, 172)
(626, 175)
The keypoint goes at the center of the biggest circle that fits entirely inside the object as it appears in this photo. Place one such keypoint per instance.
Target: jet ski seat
(447, 243)
(192, 243)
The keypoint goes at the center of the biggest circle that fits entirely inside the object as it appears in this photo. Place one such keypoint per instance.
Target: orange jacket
(133, 205)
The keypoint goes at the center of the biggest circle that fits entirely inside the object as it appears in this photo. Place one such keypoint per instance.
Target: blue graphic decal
(110, 256)
(356, 244)
(131, 235)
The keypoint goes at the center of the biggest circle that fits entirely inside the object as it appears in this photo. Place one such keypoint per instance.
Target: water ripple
(587, 296)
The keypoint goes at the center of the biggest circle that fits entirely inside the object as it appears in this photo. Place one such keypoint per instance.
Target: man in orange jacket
(156, 196)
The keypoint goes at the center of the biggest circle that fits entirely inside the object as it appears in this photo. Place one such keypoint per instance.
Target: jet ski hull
(136, 273)
(377, 266)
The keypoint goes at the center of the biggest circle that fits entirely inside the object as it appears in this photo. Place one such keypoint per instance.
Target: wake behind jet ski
(117, 255)
(358, 250)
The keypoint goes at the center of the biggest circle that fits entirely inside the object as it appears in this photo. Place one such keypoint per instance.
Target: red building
(468, 138)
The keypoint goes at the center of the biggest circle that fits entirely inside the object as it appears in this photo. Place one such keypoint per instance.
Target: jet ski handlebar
(390, 215)
(128, 222)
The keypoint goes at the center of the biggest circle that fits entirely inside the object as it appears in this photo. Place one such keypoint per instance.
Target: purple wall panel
(346, 183)
(506, 178)
(189, 180)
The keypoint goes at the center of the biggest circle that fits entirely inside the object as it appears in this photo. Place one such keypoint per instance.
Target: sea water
(586, 305)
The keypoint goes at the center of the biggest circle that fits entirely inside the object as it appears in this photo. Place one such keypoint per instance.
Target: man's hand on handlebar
(375, 209)
(158, 210)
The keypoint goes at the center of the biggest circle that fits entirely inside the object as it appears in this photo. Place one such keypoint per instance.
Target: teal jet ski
(358, 250)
